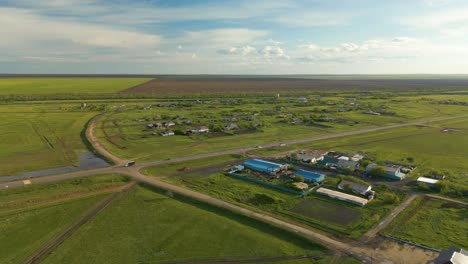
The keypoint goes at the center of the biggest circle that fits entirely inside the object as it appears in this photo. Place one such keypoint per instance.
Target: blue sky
(234, 37)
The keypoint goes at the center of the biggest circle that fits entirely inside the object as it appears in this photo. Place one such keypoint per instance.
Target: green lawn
(434, 223)
(147, 227)
(33, 215)
(44, 86)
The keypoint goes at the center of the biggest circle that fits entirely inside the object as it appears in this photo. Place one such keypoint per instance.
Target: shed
(358, 188)
(342, 196)
(428, 181)
(310, 176)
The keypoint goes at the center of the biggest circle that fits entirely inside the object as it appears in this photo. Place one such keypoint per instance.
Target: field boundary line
(51, 245)
(410, 243)
(248, 260)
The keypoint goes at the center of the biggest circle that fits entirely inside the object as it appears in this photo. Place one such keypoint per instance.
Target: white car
(129, 164)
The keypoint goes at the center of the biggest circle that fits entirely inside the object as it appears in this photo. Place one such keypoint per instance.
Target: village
(303, 171)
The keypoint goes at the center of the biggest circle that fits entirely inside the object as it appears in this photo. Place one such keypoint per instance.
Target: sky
(234, 37)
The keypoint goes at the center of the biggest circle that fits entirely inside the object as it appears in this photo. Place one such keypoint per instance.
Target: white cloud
(220, 38)
(452, 22)
(23, 28)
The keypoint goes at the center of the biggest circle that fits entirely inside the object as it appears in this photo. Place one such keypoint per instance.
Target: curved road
(356, 249)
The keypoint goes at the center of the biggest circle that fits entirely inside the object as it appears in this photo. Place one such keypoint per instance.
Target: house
(391, 171)
(451, 256)
(347, 165)
(343, 196)
(200, 130)
(358, 188)
(150, 126)
(302, 100)
(328, 161)
(357, 157)
(231, 126)
(167, 133)
(168, 124)
(301, 185)
(309, 156)
(427, 181)
(264, 166)
(310, 176)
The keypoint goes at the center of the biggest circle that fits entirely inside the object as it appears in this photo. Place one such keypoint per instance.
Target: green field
(432, 222)
(45, 86)
(35, 137)
(351, 220)
(33, 215)
(147, 227)
(124, 132)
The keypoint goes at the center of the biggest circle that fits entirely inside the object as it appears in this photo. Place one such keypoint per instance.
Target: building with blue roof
(264, 166)
(310, 176)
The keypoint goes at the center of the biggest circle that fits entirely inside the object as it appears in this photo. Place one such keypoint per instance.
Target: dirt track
(49, 246)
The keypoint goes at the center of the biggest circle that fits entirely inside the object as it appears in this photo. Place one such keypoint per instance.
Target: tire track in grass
(51, 245)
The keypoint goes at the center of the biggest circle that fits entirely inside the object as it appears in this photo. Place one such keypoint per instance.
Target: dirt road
(371, 234)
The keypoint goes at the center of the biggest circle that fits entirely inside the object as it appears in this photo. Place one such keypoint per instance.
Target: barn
(310, 176)
(264, 166)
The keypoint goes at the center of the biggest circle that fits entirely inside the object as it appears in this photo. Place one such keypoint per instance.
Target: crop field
(219, 85)
(432, 222)
(148, 227)
(250, 122)
(31, 216)
(43, 86)
(272, 201)
(40, 137)
(327, 212)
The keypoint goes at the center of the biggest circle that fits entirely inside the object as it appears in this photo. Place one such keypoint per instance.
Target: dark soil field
(329, 212)
(185, 85)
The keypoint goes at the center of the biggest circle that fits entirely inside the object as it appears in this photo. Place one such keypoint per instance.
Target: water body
(87, 161)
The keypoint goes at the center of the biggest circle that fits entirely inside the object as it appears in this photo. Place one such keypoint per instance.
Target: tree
(390, 198)
(423, 187)
(377, 171)
(441, 187)
(299, 179)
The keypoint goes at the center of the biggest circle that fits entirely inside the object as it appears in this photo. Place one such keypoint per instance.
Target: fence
(410, 243)
(269, 185)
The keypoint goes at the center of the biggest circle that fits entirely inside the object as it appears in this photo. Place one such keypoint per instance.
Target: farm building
(391, 171)
(310, 176)
(342, 196)
(452, 256)
(167, 134)
(197, 131)
(428, 181)
(308, 156)
(264, 166)
(347, 165)
(358, 188)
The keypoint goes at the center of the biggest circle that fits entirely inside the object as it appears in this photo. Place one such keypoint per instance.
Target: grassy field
(148, 227)
(31, 216)
(42, 86)
(432, 222)
(35, 137)
(346, 219)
